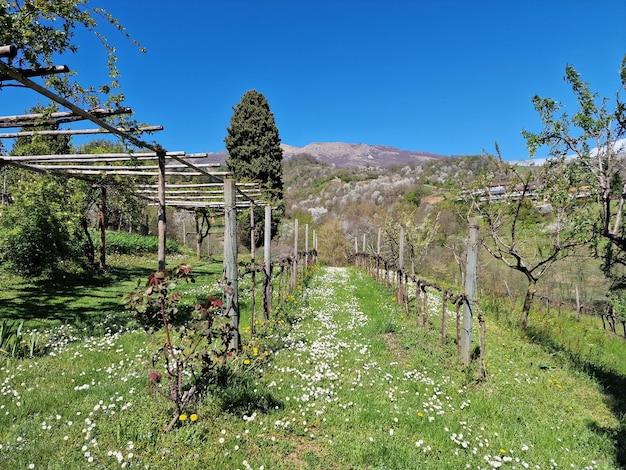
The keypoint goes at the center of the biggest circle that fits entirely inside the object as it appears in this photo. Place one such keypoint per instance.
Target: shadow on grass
(612, 382)
(240, 393)
(78, 300)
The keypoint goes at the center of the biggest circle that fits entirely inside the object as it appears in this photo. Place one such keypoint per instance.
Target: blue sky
(446, 77)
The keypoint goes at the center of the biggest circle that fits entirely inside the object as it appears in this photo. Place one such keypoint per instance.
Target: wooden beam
(174, 166)
(59, 117)
(98, 156)
(8, 51)
(13, 135)
(38, 72)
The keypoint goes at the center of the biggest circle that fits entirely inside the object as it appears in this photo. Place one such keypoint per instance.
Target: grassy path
(355, 385)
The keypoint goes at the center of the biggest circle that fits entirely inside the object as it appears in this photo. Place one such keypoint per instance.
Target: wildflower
(502, 451)
(182, 417)
(193, 417)
(246, 361)
(255, 351)
(420, 414)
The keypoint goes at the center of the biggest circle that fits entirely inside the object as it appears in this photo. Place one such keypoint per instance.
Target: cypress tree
(255, 155)
(253, 145)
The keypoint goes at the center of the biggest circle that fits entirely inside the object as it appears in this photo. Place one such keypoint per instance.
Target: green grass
(341, 378)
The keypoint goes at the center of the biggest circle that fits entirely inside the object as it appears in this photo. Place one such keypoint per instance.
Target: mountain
(342, 155)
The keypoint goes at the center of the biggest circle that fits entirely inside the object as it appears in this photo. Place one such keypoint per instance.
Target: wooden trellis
(80, 166)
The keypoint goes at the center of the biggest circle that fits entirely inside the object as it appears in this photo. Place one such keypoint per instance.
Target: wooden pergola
(221, 192)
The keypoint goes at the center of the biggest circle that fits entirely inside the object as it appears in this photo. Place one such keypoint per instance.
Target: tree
(333, 244)
(592, 140)
(418, 235)
(44, 227)
(42, 30)
(254, 152)
(531, 219)
(41, 232)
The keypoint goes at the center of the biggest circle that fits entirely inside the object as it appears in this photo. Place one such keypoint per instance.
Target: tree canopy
(41, 30)
(254, 154)
(591, 143)
(253, 145)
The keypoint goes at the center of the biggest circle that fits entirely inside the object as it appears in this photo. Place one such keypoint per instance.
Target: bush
(124, 243)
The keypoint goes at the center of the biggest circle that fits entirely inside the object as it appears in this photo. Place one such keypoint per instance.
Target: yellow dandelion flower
(194, 417)
(267, 353)
(246, 361)
(420, 414)
(183, 417)
(502, 451)
(255, 351)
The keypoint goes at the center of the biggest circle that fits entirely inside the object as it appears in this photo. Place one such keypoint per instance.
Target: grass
(341, 378)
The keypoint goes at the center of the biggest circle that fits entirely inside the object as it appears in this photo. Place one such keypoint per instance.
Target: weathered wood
(231, 274)
(13, 135)
(267, 252)
(167, 166)
(102, 225)
(306, 247)
(444, 315)
(470, 290)
(38, 72)
(90, 157)
(253, 273)
(8, 51)
(162, 217)
(294, 272)
(42, 119)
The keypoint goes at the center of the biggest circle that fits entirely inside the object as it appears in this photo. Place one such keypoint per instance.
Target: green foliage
(42, 30)
(191, 349)
(42, 230)
(419, 233)
(592, 136)
(16, 343)
(332, 243)
(42, 144)
(134, 243)
(414, 197)
(253, 145)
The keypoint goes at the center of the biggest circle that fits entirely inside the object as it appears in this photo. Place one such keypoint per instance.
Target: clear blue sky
(441, 76)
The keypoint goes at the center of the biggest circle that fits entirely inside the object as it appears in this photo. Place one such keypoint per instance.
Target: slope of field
(340, 379)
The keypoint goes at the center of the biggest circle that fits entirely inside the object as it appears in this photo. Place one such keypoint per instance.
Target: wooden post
(231, 274)
(306, 247)
(102, 225)
(470, 290)
(401, 249)
(364, 244)
(444, 315)
(184, 234)
(578, 309)
(267, 251)
(294, 272)
(162, 220)
(253, 269)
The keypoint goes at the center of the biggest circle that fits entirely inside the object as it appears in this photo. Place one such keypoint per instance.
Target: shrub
(133, 243)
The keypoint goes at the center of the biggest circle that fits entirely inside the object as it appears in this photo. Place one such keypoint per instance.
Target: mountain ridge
(352, 155)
